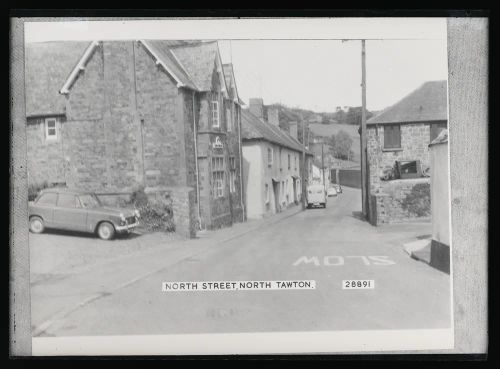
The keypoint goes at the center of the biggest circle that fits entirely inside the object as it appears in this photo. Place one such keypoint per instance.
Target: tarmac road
(325, 245)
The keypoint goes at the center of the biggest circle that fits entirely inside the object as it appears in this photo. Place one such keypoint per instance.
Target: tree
(332, 145)
(344, 143)
(339, 145)
(340, 116)
(353, 115)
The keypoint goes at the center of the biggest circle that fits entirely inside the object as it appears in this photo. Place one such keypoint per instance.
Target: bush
(418, 201)
(155, 216)
(35, 188)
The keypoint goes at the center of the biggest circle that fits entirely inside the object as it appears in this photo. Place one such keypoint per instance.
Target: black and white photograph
(211, 186)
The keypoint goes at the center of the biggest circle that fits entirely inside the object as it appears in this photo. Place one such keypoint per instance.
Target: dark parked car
(74, 210)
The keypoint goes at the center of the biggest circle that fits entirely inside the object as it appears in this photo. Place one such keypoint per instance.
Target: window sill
(393, 149)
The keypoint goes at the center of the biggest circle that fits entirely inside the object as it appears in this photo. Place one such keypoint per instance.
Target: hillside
(327, 130)
(323, 124)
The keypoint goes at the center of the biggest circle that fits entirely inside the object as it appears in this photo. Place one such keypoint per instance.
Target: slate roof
(198, 59)
(427, 103)
(164, 51)
(47, 66)
(254, 128)
(230, 81)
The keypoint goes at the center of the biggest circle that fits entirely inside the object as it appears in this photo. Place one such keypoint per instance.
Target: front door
(68, 213)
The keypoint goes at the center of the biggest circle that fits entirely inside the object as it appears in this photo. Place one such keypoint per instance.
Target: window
(218, 176)
(267, 193)
(392, 136)
(436, 129)
(281, 167)
(232, 174)
(215, 112)
(89, 201)
(295, 162)
(47, 199)
(66, 200)
(289, 165)
(229, 121)
(270, 156)
(51, 128)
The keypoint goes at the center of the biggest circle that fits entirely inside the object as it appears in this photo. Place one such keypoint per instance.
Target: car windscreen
(89, 201)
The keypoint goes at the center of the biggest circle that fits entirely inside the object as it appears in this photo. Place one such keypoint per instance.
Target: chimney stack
(257, 107)
(293, 129)
(273, 116)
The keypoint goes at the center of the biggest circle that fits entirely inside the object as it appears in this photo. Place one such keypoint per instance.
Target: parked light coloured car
(332, 191)
(316, 196)
(61, 208)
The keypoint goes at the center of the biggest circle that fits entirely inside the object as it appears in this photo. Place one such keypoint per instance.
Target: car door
(44, 208)
(68, 214)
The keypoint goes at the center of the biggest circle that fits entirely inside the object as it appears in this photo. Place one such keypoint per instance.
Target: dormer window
(51, 129)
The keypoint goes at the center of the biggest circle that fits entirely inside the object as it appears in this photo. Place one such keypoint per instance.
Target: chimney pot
(293, 129)
(257, 107)
(273, 116)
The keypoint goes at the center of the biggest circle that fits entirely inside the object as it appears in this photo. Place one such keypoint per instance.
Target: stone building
(272, 164)
(398, 154)
(115, 116)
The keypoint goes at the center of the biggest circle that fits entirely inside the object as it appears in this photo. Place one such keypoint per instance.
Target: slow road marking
(334, 260)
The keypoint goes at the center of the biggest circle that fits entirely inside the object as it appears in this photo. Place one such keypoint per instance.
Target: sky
(298, 62)
(321, 75)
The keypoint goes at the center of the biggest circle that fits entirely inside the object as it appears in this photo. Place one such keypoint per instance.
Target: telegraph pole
(323, 164)
(364, 161)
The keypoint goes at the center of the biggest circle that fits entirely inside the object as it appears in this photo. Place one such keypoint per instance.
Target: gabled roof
(231, 82)
(254, 128)
(427, 103)
(162, 51)
(199, 60)
(47, 66)
(53, 67)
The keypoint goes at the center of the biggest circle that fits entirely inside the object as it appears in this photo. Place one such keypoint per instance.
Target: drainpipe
(195, 134)
(241, 164)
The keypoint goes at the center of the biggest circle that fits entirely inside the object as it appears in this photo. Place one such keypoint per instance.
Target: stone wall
(164, 113)
(399, 201)
(415, 139)
(45, 158)
(102, 133)
(182, 200)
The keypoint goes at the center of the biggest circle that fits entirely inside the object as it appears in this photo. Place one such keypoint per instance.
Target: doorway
(276, 192)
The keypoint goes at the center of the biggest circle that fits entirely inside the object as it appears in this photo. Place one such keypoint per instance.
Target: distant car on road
(338, 188)
(316, 196)
(61, 208)
(332, 191)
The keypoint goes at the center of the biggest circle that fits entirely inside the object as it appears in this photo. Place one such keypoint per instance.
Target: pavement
(419, 250)
(121, 294)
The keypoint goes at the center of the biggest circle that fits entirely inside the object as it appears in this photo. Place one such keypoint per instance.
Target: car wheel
(106, 231)
(36, 225)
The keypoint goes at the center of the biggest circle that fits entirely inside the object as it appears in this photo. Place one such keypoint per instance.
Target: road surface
(325, 245)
